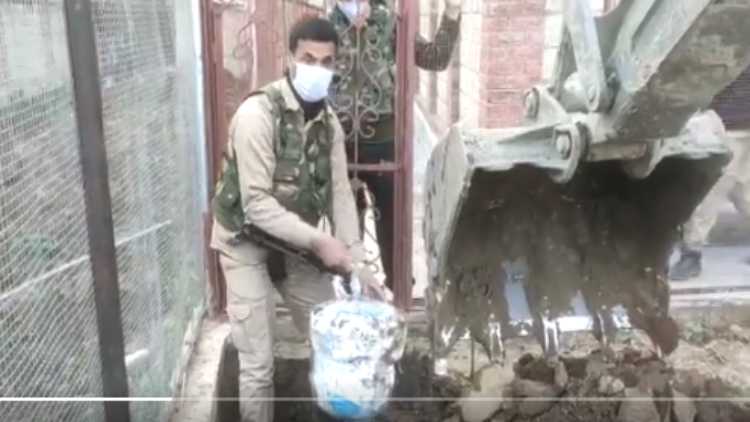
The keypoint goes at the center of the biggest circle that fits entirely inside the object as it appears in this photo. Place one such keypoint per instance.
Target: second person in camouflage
(363, 94)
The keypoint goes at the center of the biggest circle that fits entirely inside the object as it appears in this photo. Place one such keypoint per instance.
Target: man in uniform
(284, 172)
(363, 94)
(734, 185)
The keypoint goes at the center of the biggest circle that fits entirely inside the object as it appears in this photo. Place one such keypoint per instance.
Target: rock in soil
(638, 407)
(610, 386)
(531, 368)
(524, 388)
(740, 333)
(492, 379)
(478, 407)
(538, 396)
(536, 389)
(683, 409)
(533, 406)
(561, 375)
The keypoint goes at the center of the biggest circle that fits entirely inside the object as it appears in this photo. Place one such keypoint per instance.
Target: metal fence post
(88, 101)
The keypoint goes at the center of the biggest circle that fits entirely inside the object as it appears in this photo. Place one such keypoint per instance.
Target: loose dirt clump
(706, 379)
(629, 387)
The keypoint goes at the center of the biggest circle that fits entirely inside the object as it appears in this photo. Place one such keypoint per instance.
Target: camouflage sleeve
(436, 55)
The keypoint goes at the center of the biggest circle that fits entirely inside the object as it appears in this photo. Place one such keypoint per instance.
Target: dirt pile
(629, 387)
(706, 379)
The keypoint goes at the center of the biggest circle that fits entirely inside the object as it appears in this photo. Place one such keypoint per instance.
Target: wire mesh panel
(49, 344)
(155, 199)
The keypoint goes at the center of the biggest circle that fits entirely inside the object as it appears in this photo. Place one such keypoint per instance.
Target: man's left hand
(453, 8)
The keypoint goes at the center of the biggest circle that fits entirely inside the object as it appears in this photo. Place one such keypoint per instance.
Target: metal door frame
(216, 137)
(406, 88)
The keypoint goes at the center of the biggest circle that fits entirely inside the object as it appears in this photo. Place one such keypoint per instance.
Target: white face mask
(354, 9)
(311, 82)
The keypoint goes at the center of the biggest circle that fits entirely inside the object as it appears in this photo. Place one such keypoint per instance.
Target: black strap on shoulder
(278, 106)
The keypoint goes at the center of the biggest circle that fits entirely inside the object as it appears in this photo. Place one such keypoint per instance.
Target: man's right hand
(334, 253)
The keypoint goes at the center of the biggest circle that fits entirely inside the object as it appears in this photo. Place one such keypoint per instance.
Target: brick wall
(499, 55)
(506, 46)
(440, 92)
(469, 66)
(512, 44)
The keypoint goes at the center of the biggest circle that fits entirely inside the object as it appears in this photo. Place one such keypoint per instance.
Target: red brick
(517, 7)
(508, 80)
(503, 115)
(504, 38)
(510, 46)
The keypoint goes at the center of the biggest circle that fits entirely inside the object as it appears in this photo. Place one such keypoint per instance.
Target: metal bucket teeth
(513, 252)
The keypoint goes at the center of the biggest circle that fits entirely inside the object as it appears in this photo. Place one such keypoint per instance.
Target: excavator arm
(576, 211)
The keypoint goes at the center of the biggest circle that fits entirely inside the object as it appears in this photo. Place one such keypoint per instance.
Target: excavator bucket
(516, 252)
(567, 222)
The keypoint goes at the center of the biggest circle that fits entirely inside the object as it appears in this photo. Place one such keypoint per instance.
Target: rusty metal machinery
(576, 211)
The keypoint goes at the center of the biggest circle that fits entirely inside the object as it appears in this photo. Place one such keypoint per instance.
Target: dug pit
(707, 379)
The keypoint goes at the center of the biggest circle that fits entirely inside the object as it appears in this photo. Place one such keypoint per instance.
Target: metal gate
(260, 37)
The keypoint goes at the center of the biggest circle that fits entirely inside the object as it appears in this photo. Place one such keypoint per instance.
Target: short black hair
(312, 28)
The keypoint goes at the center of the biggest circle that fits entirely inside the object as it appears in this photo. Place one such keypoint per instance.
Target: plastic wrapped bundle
(356, 343)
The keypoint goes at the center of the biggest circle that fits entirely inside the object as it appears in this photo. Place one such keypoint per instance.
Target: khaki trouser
(734, 185)
(252, 310)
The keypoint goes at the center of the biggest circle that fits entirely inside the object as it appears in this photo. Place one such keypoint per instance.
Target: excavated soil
(630, 387)
(706, 379)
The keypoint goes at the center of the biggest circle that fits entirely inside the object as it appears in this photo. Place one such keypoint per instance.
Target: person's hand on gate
(453, 8)
(334, 253)
(357, 11)
(364, 14)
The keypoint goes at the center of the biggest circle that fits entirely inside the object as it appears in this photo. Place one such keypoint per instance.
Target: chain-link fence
(49, 345)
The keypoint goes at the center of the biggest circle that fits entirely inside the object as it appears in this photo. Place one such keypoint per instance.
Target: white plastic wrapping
(356, 343)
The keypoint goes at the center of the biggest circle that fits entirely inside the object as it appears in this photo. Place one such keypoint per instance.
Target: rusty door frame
(406, 84)
(216, 129)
